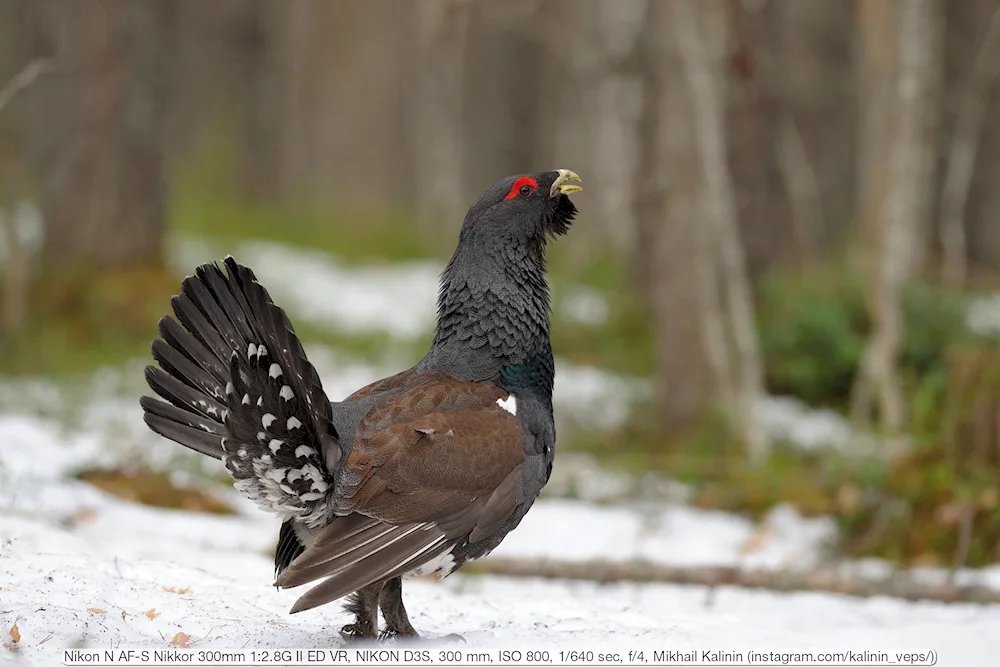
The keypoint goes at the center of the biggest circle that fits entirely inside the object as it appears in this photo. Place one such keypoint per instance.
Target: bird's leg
(397, 623)
(363, 603)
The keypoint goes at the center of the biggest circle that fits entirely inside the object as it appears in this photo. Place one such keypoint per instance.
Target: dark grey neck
(493, 319)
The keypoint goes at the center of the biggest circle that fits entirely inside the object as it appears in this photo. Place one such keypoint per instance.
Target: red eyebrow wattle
(519, 183)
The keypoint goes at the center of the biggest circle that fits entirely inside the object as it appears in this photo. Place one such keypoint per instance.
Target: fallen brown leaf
(44, 640)
(151, 613)
(181, 639)
(84, 516)
(96, 610)
(15, 634)
(757, 540)
(179, 591)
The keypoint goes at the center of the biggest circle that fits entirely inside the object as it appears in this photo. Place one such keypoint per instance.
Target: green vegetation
(814, 324)
(207, 203)
(934, 502)
(930, 505)
(355, 238)
(622, 343)
(82, 319)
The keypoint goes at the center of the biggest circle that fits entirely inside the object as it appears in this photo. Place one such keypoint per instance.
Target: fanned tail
(236, 385)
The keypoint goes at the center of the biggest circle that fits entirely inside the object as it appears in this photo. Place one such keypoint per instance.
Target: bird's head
(524, 208)
(493, 306)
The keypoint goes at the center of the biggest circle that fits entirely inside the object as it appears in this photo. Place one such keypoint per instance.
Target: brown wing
(391, 383)
(434, 464)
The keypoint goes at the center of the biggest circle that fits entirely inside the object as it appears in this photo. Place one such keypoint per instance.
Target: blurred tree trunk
(753, 125)
(613, 115)
(877, 26)
(911, 160)
(103, 191)
(701, 34)
(260, 62)
(972, 106)
(14, 256)
(666, 210)
(967, 25)
(503, 92)
(335, 76)
(438, 104)
(590, 88)
(816, 140)
(20, 69)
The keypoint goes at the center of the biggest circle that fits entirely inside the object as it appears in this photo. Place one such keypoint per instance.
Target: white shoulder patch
(510, 405)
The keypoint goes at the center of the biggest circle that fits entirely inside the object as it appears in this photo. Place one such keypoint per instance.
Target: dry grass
(152, 488)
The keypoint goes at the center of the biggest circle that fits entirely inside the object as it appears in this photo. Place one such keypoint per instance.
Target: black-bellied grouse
(417, 473)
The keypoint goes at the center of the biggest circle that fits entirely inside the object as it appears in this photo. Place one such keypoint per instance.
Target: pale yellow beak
(562, 185)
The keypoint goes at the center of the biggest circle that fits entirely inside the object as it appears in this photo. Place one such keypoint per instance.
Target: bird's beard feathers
(558, 218)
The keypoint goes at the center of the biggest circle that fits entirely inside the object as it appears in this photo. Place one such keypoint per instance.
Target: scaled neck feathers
(493, 317)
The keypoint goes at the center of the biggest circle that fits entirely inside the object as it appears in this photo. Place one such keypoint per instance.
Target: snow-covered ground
(79, 567)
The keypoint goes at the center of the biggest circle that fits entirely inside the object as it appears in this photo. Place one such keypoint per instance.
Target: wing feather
(435, 463)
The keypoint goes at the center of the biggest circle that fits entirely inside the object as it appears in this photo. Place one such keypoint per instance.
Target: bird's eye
(523, 186)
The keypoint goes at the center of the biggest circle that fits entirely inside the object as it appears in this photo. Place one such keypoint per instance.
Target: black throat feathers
(493, 317)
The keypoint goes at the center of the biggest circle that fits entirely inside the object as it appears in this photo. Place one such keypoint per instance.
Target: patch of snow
(29, 230)
(594, 397)
(789, 420)
(668, 534)
(583, 305)
(581, 476)
(95, 424)
(36, 395)
(397, 298)
(982, 315)
(578, 475)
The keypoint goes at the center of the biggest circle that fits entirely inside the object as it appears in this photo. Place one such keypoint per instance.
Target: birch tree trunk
(878, 34)
(912, 156)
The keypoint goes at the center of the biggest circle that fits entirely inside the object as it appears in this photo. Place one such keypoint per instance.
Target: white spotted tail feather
(238, 387)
